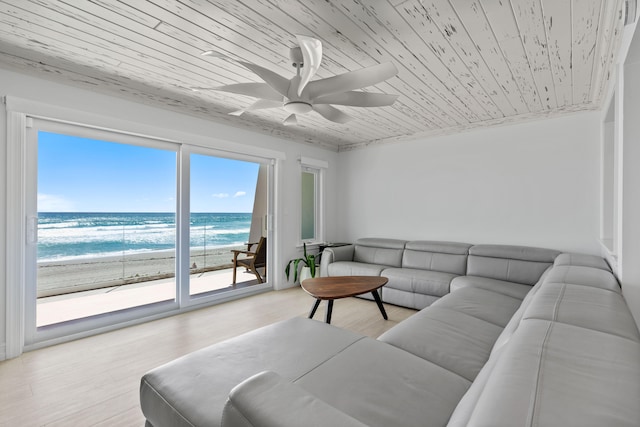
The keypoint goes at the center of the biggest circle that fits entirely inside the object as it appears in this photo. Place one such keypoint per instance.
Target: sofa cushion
(554, 374)
(515, 290)
(351, 268)
(379, 251)
(483, 304)
(519, 264)
(584, 306)
(381, 385)
(514, 322)
(192, 390)
(447, 257)
(268, 399)
(418, 281)
(406, 298)
(456, 341)
(464, 410)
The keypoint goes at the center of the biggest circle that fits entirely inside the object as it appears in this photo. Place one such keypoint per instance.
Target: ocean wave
(108, 254)
(130, 232)
(68, 224)
(209, 230)
(76, 236)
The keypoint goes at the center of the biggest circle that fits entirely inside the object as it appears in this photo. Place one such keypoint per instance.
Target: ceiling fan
(301, 95)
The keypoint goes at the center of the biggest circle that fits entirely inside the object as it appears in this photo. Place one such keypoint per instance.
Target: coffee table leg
(314, 308)
(376, 296)
(327, 317)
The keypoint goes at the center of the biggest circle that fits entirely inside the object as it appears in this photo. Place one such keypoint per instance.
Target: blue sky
(84, 175)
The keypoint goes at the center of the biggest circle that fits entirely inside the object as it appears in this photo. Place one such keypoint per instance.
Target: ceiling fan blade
(257, 90)
(357, 99)
(214, 53)
(331, 113)
(290, 121)
(352, 80)
(275, 80)
(312, 56)
(260, 104)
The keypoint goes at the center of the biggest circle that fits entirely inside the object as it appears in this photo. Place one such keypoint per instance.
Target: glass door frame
(34, 334)
(19, 113)
(184, 297)
(34, 337)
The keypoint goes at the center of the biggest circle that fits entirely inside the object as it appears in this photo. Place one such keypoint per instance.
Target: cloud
(220, 195)
(240, 194)
(53, 203)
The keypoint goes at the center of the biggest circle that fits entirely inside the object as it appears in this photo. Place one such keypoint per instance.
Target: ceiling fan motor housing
(297, 104)
(297, 107)
(296, 57)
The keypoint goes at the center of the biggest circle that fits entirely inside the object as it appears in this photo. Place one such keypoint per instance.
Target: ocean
(67, 236)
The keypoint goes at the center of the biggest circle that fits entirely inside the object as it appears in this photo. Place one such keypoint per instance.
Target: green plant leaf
(296, 262)
(312, 265)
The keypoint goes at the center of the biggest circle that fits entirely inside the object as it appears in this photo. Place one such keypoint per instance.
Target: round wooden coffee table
(332, 288)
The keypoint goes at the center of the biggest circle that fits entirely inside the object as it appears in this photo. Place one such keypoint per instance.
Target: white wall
(533, 184)
(142, 118)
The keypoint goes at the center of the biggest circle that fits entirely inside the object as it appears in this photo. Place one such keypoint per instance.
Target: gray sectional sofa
(500, 349)
(420, 272)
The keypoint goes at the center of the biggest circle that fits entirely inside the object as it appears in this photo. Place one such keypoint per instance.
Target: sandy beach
(62, 277)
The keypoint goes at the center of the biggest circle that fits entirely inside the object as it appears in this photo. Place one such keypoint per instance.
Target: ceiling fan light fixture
(297, 107)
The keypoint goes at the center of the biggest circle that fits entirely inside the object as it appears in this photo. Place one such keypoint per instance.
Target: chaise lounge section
(566, 352)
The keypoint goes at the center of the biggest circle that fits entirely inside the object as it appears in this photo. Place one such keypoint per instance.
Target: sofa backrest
(447, 257)
(582, 260)
(379, 251)
(519, 264)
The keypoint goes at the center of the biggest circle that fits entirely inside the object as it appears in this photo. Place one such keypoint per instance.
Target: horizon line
(131, 212)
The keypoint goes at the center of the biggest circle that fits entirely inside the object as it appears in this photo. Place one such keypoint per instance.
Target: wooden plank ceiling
(462, 63)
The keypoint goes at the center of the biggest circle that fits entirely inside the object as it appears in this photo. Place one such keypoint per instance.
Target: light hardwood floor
(94, 381)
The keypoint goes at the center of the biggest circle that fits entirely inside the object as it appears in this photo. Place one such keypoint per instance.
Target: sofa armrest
(339, 253)
(268, 400)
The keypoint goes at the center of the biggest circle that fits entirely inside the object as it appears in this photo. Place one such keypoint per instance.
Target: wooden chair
(255, 259)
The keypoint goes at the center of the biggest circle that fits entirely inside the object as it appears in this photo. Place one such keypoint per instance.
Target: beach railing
(86, 274)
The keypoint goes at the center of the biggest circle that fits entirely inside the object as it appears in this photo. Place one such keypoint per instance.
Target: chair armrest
(339, 253)
(268, 400)
(251, 244)
(236, 251)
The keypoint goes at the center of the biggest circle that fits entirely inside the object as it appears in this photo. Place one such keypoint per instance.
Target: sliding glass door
(227, 207)
(105, 221)
(122, 226)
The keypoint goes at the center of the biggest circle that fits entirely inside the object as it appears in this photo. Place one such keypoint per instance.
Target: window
(106, 230)
(308, 196)
(311, 209)
(112, 219)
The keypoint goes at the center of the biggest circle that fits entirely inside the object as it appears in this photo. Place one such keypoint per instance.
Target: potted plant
(308, 261)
